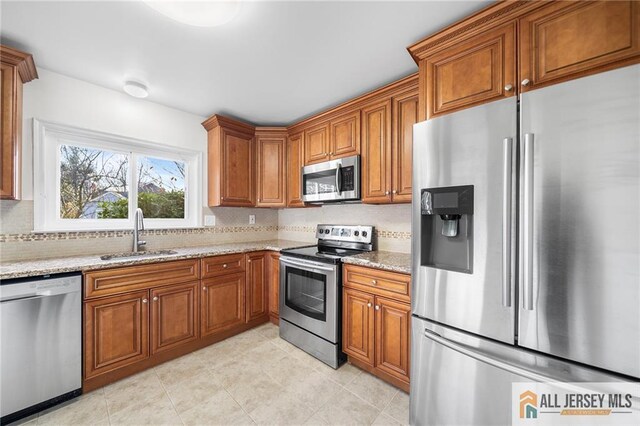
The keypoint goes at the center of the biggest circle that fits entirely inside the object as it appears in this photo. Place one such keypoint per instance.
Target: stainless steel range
(310, 290)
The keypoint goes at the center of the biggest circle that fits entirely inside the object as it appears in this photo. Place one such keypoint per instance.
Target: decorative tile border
(61, 236)
(64, 236)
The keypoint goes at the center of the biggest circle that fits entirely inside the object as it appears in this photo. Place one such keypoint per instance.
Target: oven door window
(306, 292)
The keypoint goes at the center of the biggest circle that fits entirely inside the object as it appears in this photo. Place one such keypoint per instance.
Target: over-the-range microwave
(335, 180)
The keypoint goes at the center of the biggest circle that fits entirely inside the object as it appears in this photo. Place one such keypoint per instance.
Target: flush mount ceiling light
(136, 89)
(197, 13)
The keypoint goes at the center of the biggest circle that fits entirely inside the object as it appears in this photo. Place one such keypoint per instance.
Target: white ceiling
(275, 63)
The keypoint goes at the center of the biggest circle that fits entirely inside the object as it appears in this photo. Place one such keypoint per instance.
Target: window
(91, 180)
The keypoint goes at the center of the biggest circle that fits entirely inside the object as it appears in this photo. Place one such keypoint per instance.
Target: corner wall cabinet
(17, 68)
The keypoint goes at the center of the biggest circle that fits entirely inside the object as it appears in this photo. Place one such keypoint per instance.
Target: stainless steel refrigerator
(526, 258)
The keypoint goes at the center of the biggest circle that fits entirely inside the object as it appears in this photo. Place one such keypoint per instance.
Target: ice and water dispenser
(447, 228)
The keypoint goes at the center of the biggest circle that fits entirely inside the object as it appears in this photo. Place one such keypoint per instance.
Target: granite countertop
(386, 260)
(85, 263)
(390, 261)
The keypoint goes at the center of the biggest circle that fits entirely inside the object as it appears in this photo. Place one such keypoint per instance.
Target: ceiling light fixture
(197, 13)
(136, 89)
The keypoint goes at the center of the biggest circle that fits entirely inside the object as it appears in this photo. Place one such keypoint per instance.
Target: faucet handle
(142, 243)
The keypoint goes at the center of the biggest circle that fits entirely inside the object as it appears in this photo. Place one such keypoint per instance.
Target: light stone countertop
(386, 260)
(390, 261)
(86, 263)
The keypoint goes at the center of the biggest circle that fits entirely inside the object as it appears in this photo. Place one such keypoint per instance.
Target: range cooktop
(335, 242)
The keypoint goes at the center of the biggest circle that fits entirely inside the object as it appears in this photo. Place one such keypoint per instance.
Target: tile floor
(254, 377)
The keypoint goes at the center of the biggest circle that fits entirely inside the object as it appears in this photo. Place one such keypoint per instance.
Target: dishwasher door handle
(25, 297)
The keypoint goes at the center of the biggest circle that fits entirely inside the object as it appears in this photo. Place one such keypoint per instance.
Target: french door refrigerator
(526, 235)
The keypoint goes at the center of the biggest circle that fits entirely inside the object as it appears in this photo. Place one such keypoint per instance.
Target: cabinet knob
(325, 154)
(144, 300)
(369, 305)
(508, 88)
(394, 191)
(331, 153)
(377, 307)
(155, 298)
(224, 265)
(525, 82)
(204, 288)
(386, 193)
(249, 260)
(374, 282)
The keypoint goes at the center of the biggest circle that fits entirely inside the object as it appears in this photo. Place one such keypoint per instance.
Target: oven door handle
(306, 264)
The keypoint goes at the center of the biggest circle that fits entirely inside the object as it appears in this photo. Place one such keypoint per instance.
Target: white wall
(55, 97)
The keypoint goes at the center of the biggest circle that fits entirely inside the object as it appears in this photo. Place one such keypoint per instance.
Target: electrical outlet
(252, 219)
(209, 220)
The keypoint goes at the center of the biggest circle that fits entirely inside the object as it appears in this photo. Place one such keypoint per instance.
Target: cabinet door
(237, 169)
(295, 161)
(174, 316)
(405, 115)
(274, 284)
(376, 153)
(271, 171)
(392, 337)
(345, 135)
(116, 332)
(565, 40)
(358, 325)
(475, 71)
(11, 120)
(222, 303)
(257, 286)
(316, 144)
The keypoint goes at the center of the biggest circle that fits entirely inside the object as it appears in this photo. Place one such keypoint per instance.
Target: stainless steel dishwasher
(40, 343)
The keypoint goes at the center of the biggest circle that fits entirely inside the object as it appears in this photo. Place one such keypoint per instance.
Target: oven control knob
(364, 233)
(326, 231)
(356, 233)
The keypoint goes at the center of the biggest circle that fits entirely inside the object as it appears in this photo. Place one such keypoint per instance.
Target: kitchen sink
(137, 254)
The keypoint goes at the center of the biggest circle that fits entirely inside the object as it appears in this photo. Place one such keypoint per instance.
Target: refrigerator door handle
(527, 222)
(507, 188)
(486, 358)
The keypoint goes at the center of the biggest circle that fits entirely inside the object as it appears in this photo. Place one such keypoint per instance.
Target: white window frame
(49, 136)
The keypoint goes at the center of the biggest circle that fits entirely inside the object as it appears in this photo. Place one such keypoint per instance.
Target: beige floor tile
(268, 330)
(134, 392)
(308, 360)
(373, 390)
(257, 390)
(158, 411)
(219, 409)
(314, 390)
(262, 353)
(287, 370)
(398, 408)
(183, 368)
(214, 355)
(384, 420)
(235, 371)
(343, 375)
(189, 393)
(30, 421)
(344, 408)
(87, 409)
(284, 409)
(284, 345)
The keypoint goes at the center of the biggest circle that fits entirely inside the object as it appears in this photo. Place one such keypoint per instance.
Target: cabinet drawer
(219, 265)
(121, 280)
(379, 282)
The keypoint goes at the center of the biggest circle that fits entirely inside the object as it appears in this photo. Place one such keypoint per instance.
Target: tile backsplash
(18, 242)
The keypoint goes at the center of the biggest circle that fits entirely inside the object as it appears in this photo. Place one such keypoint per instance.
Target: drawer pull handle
(374, 282)
(224, 265)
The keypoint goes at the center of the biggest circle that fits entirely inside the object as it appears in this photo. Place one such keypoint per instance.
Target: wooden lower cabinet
(116, 332)
(358, 325)
(376, 329)
(274, 286)
(222, 303)
(174, 316)
(257, 286)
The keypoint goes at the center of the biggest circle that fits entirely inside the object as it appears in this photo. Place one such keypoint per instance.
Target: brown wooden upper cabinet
(271, 156)
(17, 68)
(387, 145)
(340, 137)
(257, 304)
(566, 40)
(474, 60)
(231, 177)
(295, 162)
(474, 71)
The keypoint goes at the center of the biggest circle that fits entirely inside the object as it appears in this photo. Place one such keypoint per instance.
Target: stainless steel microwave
(335, 180)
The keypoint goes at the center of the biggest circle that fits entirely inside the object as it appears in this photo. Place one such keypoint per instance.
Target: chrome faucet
(138, 225)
